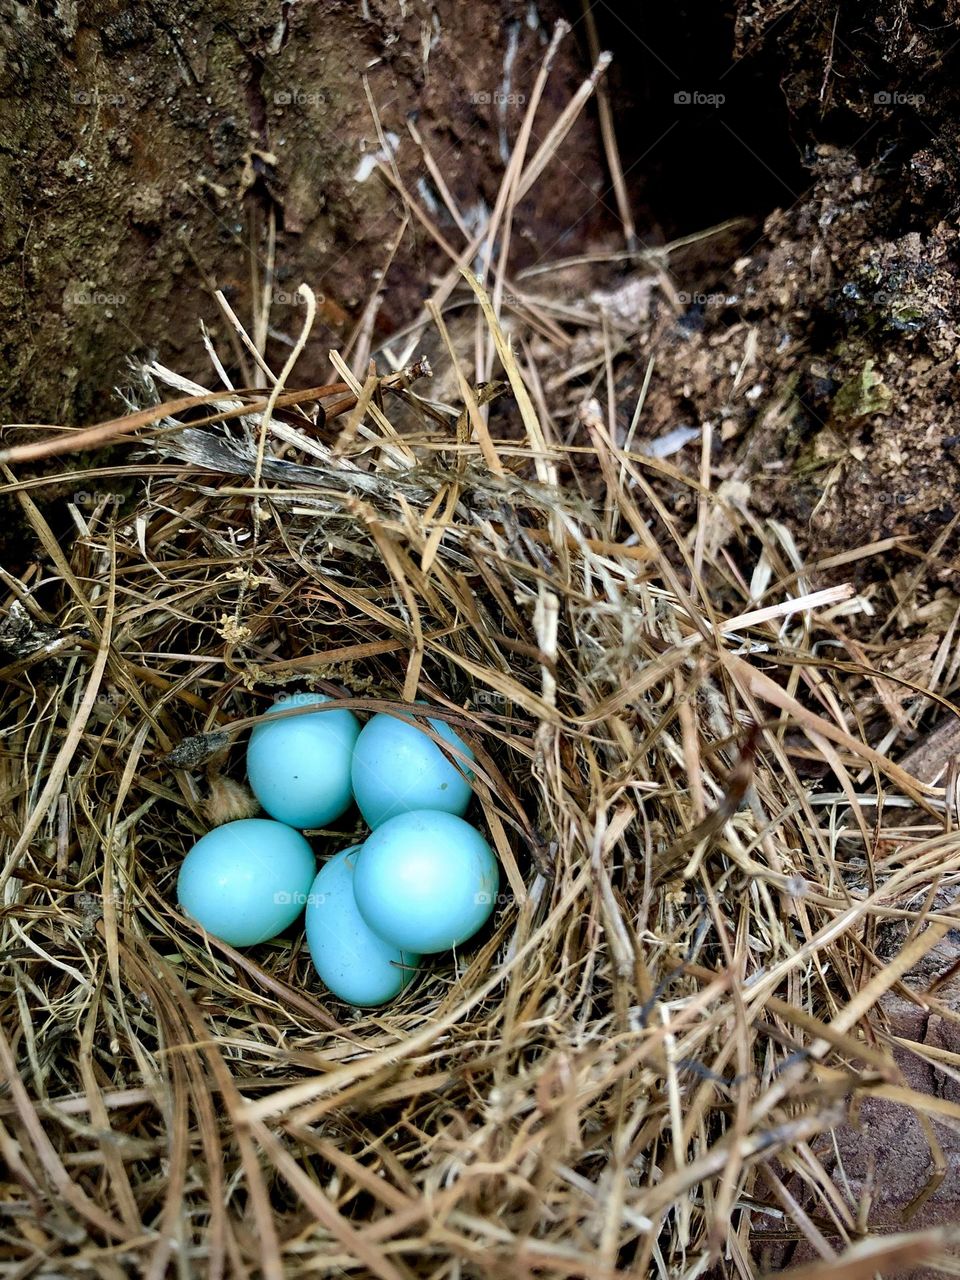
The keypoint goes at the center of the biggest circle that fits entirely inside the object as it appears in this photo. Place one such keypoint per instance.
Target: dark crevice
(703, 135)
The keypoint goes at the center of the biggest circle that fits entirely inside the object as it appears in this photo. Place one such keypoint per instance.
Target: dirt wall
(143, 148)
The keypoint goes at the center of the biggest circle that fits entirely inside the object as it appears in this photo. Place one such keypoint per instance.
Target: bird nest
(637, 1065)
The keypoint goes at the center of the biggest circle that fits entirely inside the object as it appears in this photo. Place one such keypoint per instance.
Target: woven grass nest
(635, 1068)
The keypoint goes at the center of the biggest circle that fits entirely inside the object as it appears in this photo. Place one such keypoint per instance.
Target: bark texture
(142, 147)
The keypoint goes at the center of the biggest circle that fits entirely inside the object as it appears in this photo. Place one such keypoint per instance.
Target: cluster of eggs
(423, 881)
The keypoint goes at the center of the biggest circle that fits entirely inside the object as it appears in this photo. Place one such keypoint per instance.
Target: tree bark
(144, 149)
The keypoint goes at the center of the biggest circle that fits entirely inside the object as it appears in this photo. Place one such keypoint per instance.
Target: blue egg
(398, 768)
(246, 881)
(353, 962)
(299, 767)
(425, 881)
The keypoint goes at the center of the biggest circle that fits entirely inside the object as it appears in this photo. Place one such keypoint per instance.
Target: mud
(824, 358)
(142, 149)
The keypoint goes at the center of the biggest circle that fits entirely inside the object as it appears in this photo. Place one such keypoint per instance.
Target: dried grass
(632, 1070)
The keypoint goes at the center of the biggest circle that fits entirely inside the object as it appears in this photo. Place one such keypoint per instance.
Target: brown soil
(824, 357)
(143, 147)
(819, 341)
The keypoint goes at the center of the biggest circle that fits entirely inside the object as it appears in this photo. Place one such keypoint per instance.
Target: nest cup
(663, 1009)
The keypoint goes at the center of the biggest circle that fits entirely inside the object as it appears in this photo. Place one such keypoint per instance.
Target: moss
(861, 395)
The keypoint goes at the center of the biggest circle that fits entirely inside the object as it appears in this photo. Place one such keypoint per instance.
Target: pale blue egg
(398, 768)
(299, 767)
(353, 962)
(247, 881)
(425, 881)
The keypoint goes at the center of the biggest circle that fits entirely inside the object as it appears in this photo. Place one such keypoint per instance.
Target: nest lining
(676, 997)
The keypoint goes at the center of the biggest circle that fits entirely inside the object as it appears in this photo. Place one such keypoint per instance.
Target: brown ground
(142, 148)
(824, 357)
